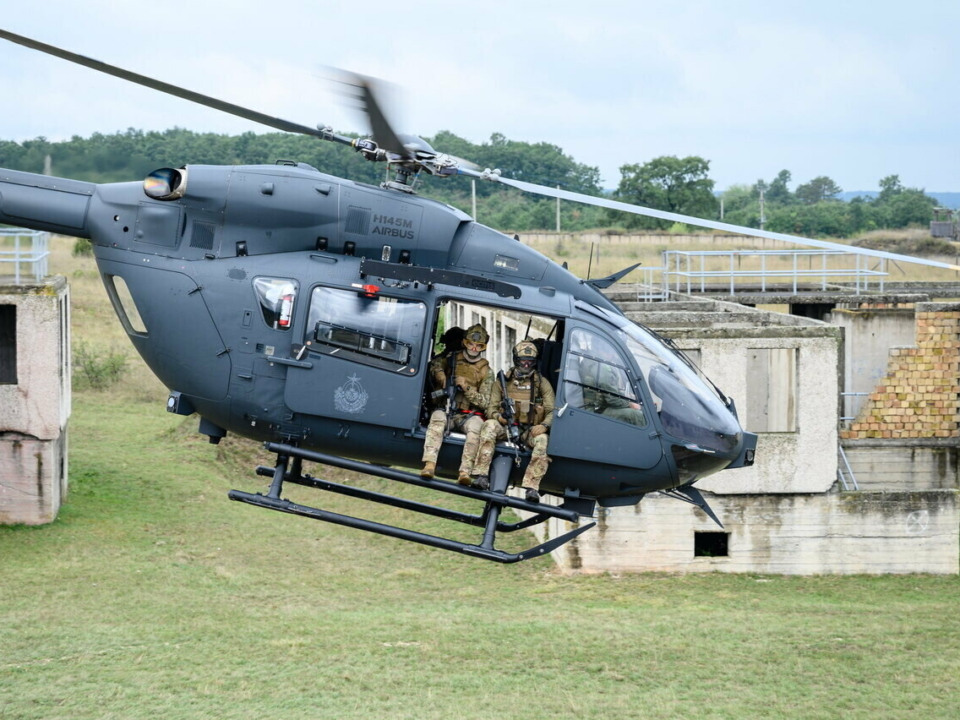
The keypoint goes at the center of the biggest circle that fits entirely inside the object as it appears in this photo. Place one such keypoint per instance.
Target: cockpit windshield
(689, 408)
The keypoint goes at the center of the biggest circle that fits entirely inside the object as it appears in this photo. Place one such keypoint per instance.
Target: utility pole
(473, 196)
(763, 218)
(558, 211)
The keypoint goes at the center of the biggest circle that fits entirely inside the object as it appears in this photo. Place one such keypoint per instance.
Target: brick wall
(918, 396)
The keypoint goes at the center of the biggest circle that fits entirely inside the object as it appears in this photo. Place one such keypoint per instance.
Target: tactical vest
(527, 402)
(473, 374)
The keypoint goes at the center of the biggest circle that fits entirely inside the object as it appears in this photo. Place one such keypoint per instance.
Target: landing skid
(289, 469)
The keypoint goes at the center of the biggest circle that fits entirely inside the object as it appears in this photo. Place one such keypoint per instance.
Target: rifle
(509, 414)
(451, 392)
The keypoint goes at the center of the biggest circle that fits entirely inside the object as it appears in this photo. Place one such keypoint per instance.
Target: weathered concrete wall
(33, 478)
(39, 404)
(35, 410)
(904, 465)
(827, 533)
(785, 515)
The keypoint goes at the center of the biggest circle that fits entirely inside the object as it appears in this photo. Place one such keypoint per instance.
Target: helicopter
(300, 309)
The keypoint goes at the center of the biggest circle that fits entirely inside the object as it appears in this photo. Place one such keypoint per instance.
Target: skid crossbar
(411, 479)
(402, 503)
(494, 501)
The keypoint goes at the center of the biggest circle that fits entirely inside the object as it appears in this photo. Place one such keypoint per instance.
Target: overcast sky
(853, 90)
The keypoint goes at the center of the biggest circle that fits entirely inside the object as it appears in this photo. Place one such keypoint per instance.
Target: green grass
(610, 255)
(152, 596)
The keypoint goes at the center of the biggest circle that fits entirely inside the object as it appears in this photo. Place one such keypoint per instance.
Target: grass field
(598, 259)
(154, 596)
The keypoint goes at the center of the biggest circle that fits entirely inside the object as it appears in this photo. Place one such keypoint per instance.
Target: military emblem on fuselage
(350, 397)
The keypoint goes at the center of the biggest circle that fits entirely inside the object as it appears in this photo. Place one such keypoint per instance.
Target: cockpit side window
(385, 332)
(595, 379)
(688, 408)
(277, 297)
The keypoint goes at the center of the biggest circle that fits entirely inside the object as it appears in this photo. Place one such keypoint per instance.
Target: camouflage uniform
(471, 400)
(606, 396)
(534, 399)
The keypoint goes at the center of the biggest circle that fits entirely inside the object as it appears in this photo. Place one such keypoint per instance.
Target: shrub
(95, 369)
(82, 248)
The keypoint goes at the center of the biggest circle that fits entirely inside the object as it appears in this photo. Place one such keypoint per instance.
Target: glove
(460, 382)
(502, 420)
(441, 379)
(537, 430)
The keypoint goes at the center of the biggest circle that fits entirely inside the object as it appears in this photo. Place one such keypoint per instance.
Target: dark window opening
(505, 328)
(8, 344)
(711, 544)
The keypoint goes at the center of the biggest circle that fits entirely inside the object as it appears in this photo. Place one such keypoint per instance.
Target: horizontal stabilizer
(605, 282)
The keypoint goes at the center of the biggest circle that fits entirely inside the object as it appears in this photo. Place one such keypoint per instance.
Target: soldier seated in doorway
(532, 399)
(465, 379)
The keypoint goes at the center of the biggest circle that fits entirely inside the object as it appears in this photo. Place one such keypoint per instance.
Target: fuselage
(250, 294)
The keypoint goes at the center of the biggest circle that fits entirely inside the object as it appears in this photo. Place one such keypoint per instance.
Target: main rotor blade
(362, 92)
(149, 82)
(713, 224)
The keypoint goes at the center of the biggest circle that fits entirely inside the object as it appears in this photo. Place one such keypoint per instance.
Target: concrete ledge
(834, 533)
(910, 464)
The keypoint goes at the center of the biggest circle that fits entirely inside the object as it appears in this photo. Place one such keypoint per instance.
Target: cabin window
(124, 305)
(595, 379)
(8, 344)
(772, 390)
(375, 330)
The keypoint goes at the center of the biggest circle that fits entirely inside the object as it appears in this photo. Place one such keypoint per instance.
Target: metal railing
(651, 287)
(679, 270)
(845, 472)
(36, 256)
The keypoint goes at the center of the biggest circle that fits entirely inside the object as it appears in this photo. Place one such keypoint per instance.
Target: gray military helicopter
(301, 309)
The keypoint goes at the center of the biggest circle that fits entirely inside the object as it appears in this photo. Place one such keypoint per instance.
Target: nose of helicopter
(694, 462)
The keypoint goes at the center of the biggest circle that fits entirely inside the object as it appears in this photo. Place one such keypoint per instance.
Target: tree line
(680, 185)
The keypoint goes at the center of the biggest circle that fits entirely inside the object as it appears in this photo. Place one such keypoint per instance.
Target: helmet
(476, 334)
(524, 358)
(452, 338)
(475, 338)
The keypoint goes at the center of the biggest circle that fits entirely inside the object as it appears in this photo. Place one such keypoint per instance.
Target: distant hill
(945, 199)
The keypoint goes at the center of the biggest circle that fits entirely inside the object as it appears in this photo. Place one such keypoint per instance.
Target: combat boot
(464, 478)
(532, 496)
(481, 482)
(428, 471)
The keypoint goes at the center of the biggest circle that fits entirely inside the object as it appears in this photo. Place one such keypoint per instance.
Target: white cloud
(853, 91)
